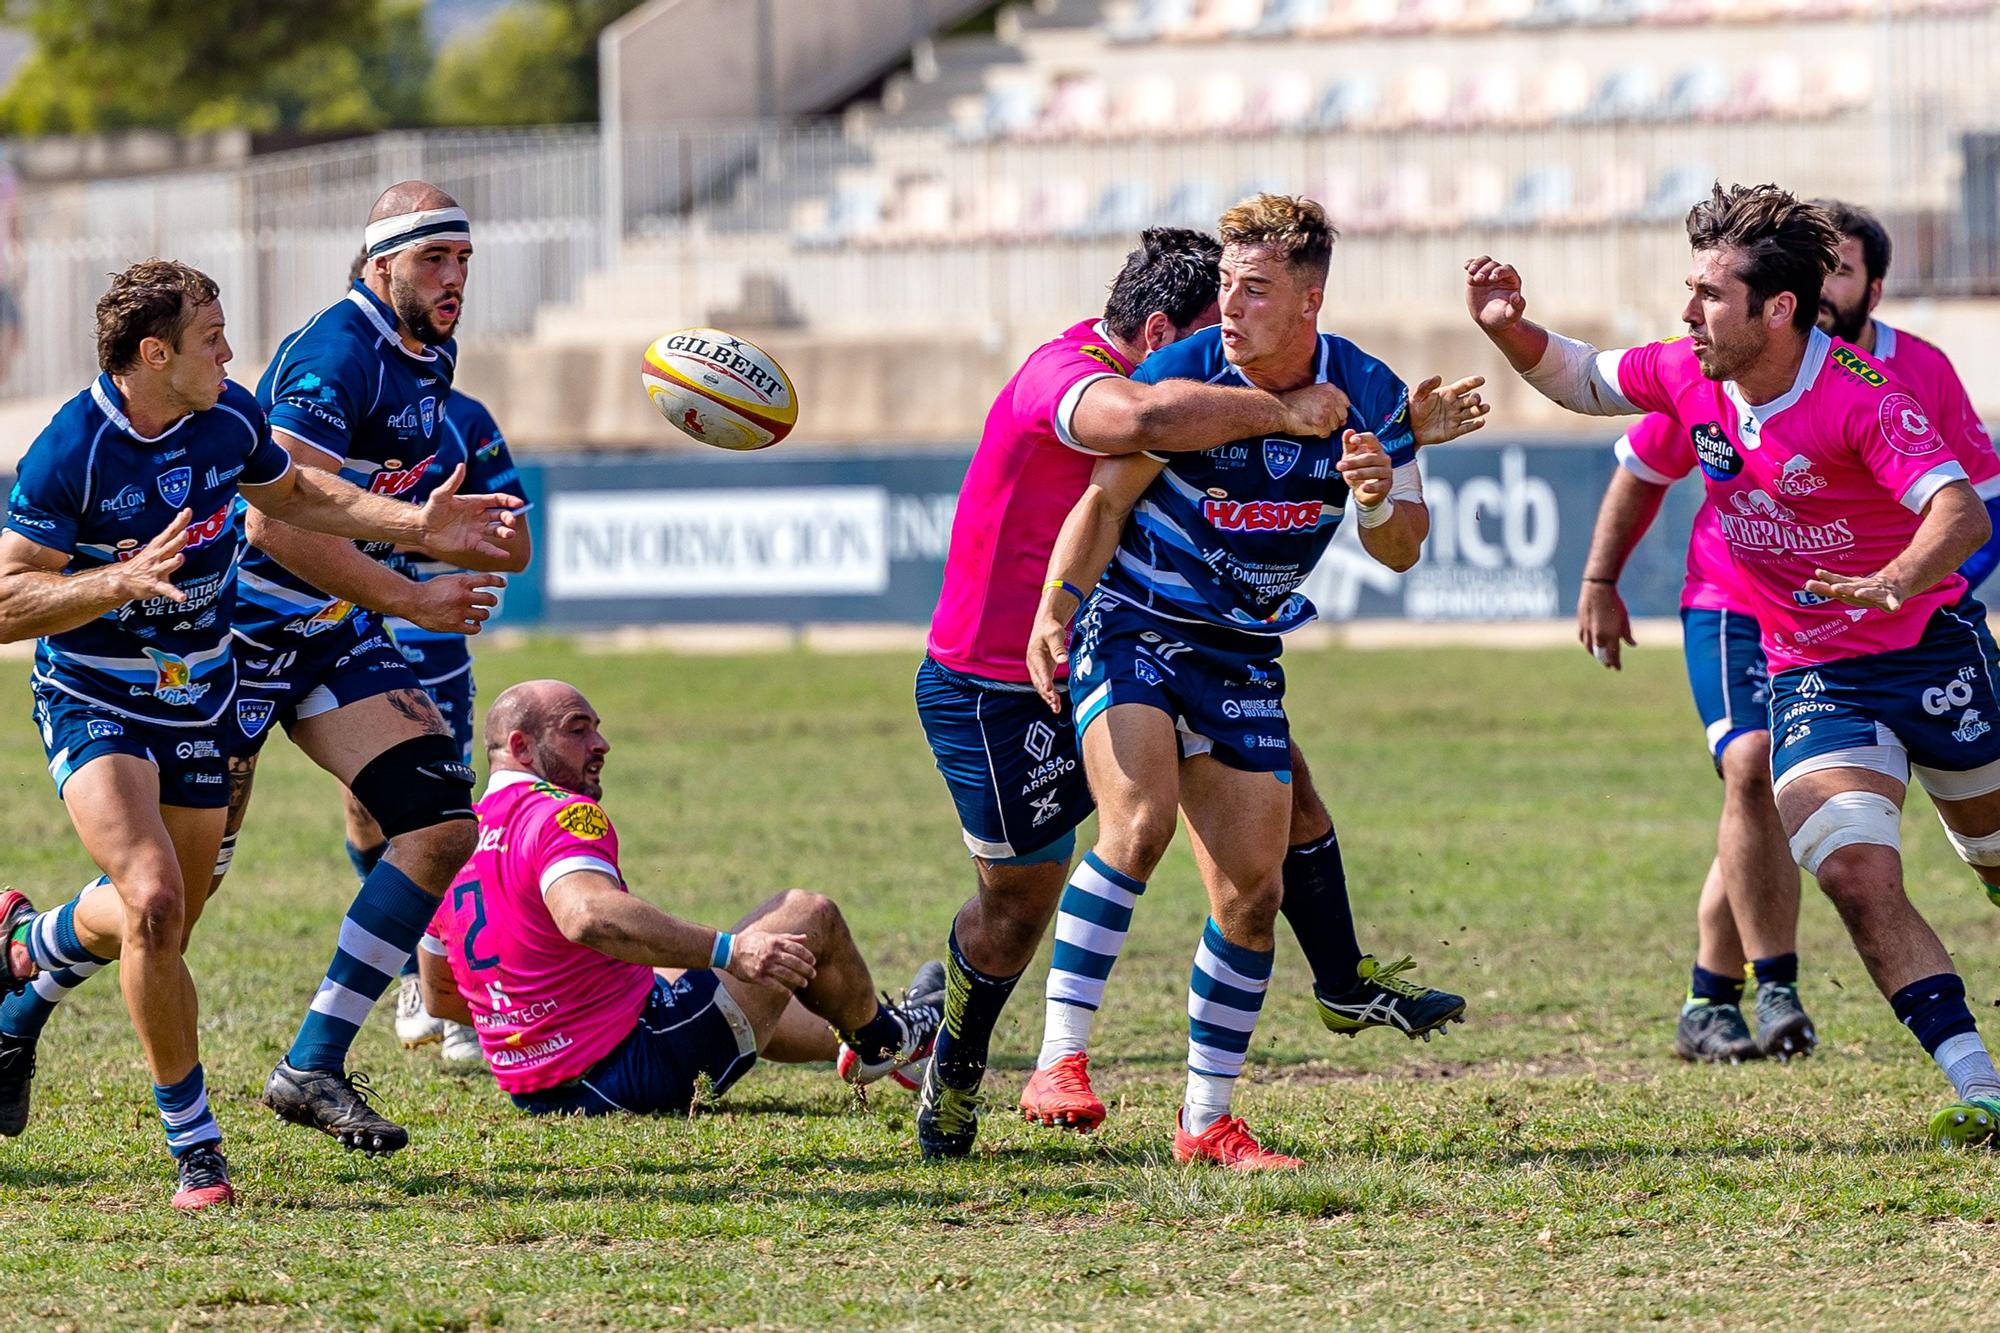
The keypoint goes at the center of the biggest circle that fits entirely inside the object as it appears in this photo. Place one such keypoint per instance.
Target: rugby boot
(1784, 1030)
(1715, 1034)
(1972, 1123)
(918, 1013)
(947, 1119)
(17, 1077)
(414, 1025)
(1381, 998)
(15, 914)
(1228, 1143)
(1061, 1097)
(336, 1104)
(460, 1045)
(204, 1179)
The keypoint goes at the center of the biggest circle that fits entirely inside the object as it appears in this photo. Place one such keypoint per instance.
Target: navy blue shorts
(444, 668)
(1725, 666)
(1222, 687)
(191, 760)
(1932, 707)
(1011, 765)
(344, 664)
(689, 1028)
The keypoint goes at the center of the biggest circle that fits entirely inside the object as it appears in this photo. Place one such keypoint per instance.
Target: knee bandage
(1975, 851)
(1843, 819)
(415, 784)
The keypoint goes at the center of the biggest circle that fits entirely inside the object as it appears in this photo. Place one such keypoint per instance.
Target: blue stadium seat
(1124, 209)
(1192, 203)
(1151, 20)
(1678, 189)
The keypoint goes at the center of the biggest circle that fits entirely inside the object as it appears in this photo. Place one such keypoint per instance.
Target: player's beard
(557, 768)
(1843, 324)
(414, 313)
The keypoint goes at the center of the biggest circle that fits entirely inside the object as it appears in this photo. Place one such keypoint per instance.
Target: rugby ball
(719, 389)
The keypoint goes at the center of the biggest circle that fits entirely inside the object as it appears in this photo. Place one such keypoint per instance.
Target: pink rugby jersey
(1025, 477)
(546, 1009)
(1657, 450)
(1927, 373)
(1832, 474)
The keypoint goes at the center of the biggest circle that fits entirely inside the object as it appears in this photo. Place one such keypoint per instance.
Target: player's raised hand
(454, 603)
(766, 958)
(1602, 623)
(1493, 294)
(1873, 591)
(150, 571)
(1317, 409)
(1364, 465)
(468, 525)
(1441, 413)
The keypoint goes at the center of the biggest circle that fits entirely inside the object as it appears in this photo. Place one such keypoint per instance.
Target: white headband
(390, 235)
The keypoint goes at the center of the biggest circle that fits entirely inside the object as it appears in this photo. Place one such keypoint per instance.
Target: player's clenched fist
(765, 958)
(1364, 466)
(1316, 409)
(150, 572)
(1493, 294)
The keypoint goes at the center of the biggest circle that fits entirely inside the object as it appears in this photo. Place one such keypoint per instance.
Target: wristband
(1611, 582)
(1374, 516)
(725, 945)
(1066, 586)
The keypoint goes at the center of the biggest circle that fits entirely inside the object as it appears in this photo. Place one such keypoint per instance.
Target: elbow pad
(1577, 376)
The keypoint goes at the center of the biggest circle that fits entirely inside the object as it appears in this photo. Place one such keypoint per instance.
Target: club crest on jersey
(101, 729)
(418, 416)
(1279, 457)
(253, 715)
(1905, 426)
(175, 483)
(1718, 456)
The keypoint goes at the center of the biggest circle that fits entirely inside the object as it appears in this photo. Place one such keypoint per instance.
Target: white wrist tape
(1374, 516)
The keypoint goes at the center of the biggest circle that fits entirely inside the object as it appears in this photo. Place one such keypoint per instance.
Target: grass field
(1532, 828)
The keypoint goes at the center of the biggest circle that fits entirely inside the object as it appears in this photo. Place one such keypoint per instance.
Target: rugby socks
(1091, 923)
(877, 1039)
(972, 1004)
(1316, 905)
(1934, 1010)
(363, 859)
(378, 934)
(184, 1113)
(65, 963)
(1225, 995)
(1706, 987)
(1780, 971)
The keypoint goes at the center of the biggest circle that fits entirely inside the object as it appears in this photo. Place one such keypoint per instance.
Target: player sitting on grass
(588, 999)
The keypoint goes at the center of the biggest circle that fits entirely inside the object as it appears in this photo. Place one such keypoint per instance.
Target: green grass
(1532, 828)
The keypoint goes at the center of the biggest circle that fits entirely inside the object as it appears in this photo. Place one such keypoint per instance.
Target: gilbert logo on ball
(719, 389)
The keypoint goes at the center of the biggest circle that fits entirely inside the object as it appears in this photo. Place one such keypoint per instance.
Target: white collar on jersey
(1750, 417)
(105, 394)
(370, 307)
(503, 778)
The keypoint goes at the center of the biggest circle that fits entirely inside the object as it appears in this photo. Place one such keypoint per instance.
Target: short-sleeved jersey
(347, 386)
(1657, 450)
(1227, 535)
(1025, 477)
(1832, 474)
(94, 489)
(470, 436)
(1927, 373)
(546, 1008)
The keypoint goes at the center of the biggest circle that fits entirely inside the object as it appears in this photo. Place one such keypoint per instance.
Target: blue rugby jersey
(346, 385)
(1227, 535)
(97, 491)
(471, 436)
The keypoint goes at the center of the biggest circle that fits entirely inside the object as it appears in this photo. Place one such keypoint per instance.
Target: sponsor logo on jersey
(128, 501)
(1811, 686)
(1241, 708)
(100, 729)
(415, 417)
(197, 750)
(1103, 357)
(173, 679)
(1263, 515)
(175, 483)
(1955, 693)
(1906, 428)
(1760, 523)
(1718, 456)
(1045, 808)
(1797, 479)
(1970, 727)
(585, 819)
(1041, 739)
(490, 839)
(1847, 360)
(218, 476)
(395, 481)
(322, 620)
(1280, 456)
(253, 715)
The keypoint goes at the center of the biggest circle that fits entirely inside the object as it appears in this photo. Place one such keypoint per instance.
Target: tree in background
(532, 63)
(267, 65)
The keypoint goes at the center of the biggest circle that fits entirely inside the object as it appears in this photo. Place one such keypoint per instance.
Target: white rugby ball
(719, 389)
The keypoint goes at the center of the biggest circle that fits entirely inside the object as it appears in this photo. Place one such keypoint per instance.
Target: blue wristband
(725, 945)
(1066, 586)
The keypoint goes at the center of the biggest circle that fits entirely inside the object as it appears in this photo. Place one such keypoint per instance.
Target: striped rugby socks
(377, 936)
(184, 1113)
(1225, 995)
(1091, 924)
(65, 964)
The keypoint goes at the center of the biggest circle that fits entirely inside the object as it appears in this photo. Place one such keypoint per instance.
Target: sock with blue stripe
(1706, 987)
(972, 1004)
(65, 963)
(1934, 1010)
(1225, 995)
(184, 1113)
(1091, 922)
(378, 934)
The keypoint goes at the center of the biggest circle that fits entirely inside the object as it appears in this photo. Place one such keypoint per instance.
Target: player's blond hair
(1295, 227)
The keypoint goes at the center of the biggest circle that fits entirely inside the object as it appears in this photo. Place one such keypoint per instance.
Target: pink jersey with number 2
(1833, 474)
(1024, 479)
(1659, 451)
(546, 1009)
